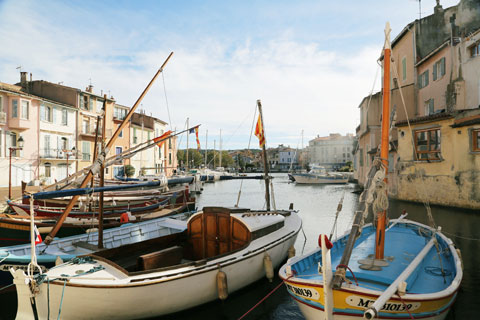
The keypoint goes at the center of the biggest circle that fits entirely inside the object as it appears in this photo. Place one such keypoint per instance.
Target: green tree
(129, 170)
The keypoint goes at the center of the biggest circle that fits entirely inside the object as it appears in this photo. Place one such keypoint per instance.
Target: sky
(309, 62)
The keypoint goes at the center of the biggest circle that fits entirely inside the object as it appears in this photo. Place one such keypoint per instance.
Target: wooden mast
(94, 170)
(380, 235)
(265, 161)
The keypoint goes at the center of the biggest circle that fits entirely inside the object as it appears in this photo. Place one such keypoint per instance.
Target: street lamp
(68, 155)
(11, 149)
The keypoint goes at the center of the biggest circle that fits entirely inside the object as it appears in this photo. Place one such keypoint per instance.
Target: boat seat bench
(159, 259)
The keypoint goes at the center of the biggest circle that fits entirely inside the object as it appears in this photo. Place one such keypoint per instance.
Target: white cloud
(212, 80)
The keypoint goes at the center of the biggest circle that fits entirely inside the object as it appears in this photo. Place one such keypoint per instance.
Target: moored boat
(319, 175)
(155, 277)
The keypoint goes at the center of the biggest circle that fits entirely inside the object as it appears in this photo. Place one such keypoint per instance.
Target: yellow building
(443, 165)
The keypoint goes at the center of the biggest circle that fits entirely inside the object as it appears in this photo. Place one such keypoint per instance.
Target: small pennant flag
(38, 237)
(161, 139)
(259, 132)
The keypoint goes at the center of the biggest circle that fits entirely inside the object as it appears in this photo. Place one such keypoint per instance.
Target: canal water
(317, 204)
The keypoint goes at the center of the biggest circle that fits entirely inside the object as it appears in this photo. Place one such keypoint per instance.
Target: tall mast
(265, 160)
(206, 148)
(95, 169)
(220, 155)
(380, 235)
(214, 147)
(188, 138)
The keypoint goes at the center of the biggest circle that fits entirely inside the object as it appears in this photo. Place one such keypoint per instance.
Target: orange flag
(259, 132)
(161, 139)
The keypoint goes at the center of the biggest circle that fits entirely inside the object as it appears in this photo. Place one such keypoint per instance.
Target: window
(423, 80)
(65, 117)
(14, 108)
(86, 150)
(118, 150)
(64, 144)
(360, 156)
(85, 126)
(84, 102)
(476, 140)
(404, 69)
(427, 144)
(170, 158)
(46, 145)
(134, 135)
(25, 105)
(475, 50)
(1, 104)
(439, 69)
(99, 105)
(45, 113)
(120, 134)
(90, 106)
(429, 107)
(119, 113)
(48, 170)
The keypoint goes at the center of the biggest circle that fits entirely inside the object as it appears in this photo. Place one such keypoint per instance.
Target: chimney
(23, 79)
(89, 88)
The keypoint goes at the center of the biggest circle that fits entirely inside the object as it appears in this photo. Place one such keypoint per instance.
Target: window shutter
(426, 78)
(435, 66)
(54, 115)
(442, 66)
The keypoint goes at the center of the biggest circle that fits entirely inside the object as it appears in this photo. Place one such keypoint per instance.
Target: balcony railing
(3, 117)
(56, 154)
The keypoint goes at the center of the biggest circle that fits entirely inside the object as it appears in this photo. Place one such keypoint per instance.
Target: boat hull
(314, 179)
(154, 294)
(428, 296)
(350, 305)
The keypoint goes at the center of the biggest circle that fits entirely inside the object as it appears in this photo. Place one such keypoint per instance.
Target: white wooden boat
(221, 251)
(318, 175)
(406, 271)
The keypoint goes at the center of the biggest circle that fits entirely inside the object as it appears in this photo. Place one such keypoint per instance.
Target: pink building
(18, 121)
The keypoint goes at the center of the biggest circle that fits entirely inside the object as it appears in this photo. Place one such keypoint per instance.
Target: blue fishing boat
(386, 270)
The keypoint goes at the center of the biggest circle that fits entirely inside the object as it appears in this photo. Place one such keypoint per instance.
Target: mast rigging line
(166, 101)
(248, 149)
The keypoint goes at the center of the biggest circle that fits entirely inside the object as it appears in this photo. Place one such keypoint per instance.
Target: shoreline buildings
(437, 60)
(57, 125)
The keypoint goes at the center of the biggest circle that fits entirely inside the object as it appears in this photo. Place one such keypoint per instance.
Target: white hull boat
(318, 175)
(221, 251)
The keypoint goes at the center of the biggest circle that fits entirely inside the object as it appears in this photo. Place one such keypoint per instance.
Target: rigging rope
(422, 186)
(166, 101)
(248, 149)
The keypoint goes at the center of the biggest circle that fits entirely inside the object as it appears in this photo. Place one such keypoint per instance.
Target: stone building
(435, 93)
(332, 152)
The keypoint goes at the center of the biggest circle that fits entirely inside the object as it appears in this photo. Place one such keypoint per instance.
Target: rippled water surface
(317, 206)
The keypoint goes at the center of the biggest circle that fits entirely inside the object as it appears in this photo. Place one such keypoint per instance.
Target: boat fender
(459, 253)
(327, 242)
(402, 288)
(124, 217)
(291, 252)
(131, 217)
(222, 285)
(267, 264)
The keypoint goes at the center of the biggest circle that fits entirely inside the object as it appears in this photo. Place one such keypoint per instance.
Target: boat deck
(427, 278)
